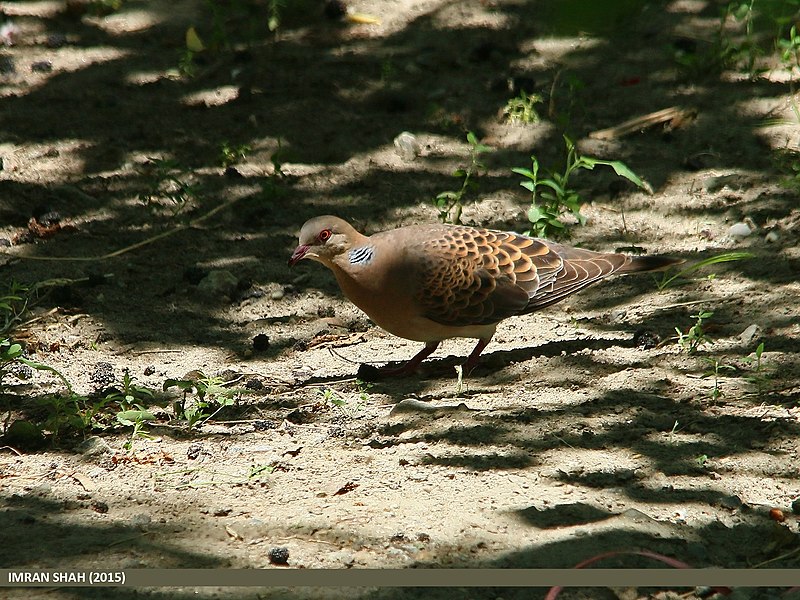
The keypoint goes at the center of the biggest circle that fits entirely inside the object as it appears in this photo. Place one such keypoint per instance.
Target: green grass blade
(668, 279)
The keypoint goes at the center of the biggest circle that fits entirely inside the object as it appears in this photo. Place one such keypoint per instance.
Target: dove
(429, 283)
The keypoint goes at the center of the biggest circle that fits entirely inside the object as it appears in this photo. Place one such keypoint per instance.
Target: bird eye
(324, 235)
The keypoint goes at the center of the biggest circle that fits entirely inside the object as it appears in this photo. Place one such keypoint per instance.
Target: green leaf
(553, 185)
(130, 417)
(43, 367)
(535, 214)
(181, 384)
(524, 172)
(620, 169)
(667, 279)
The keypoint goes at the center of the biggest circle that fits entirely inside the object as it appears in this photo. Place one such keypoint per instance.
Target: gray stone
(750, 335)
(93, 448)
(219, 283)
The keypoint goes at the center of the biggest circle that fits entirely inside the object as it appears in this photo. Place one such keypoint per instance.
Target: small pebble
(776, 514)
(56, 40)
(103, 375)
(194, 451)
(646, 340)
(141, 520)
(42, 66)
(407, 146)
(751, 334)
(411, 405)
(715, 184)
(279, 555)
(260, 342)
(254, 384)
(732, 502)
(94, 447)
(739, 230)
(772, 237)
(218, 283)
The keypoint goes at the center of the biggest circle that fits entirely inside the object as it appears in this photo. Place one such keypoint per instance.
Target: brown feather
(432, 282)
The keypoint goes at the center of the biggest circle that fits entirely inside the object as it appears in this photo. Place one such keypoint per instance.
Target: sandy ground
(578, 434)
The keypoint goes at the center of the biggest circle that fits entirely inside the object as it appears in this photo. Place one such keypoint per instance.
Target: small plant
(186, 65)
(166, 183)
(278, 158)
(363, 390)
(13, 304)
(450, 203)
(757, 358)
(331, 398)
(135, 417)
(258, 473)
(790, 49)
(521, 109)
(695, 337)
(274, 8)
(10, 353)
(715, 370)
(701, 460)
(759, 376)
(131, 395)
(67, 414)
(673, 277)
(229, 155)
(552, 197)
(212, 397)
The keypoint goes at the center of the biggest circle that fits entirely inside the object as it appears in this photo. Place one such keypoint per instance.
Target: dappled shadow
(42, 531)
(327, 98)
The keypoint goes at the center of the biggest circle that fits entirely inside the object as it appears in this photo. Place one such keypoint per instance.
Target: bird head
(322, 239)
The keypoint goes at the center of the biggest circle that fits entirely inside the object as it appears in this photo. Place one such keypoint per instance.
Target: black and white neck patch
(362, 255)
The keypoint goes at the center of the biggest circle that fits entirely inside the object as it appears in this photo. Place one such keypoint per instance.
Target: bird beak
(298, 254)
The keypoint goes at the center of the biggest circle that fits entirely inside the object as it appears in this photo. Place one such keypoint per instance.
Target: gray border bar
(278, 577)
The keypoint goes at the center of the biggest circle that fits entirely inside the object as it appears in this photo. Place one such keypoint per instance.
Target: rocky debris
(279, 555)
(93, 448)
(750, 335)
(739, 230)
(218, 284)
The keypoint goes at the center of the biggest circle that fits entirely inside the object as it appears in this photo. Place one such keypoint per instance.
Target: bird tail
(638, 264)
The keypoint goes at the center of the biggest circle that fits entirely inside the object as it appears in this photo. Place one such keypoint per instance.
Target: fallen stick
(675, 115)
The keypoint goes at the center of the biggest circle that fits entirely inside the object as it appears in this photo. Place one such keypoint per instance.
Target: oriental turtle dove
(433, 282)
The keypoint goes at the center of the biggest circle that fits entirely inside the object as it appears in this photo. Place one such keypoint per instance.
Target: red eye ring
(324, 235)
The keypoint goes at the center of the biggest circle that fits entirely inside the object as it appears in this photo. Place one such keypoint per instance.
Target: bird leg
(472, 361)
(370, 373)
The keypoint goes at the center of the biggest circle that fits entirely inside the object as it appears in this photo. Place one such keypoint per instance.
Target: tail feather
(640, 264)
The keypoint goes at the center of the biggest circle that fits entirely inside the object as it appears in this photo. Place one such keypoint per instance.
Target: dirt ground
(578, 434)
